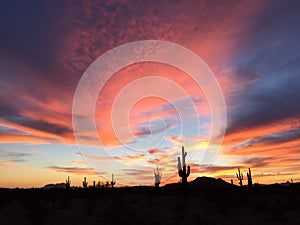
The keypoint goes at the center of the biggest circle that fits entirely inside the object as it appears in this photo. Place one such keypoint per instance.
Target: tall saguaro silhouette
(240, 177)
(68, 183)
(183, 172)
(84, 183)
(157, 176)
(113, 181)
(249, 177)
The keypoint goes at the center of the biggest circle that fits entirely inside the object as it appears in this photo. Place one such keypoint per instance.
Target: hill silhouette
(209, 182)
(204, 182)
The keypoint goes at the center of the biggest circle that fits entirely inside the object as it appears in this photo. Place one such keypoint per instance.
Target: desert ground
(207, 204)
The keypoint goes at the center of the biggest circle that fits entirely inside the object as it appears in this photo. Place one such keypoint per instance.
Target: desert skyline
(252, 49)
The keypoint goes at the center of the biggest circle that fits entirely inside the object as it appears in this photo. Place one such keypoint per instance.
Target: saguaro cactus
(98, 185)
(249, 176)
(183, 172)
(157, 176)
(113, 181)
(240, 177)
(68, 183)
(84, 183)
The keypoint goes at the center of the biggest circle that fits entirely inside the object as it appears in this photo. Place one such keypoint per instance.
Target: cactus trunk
(239, 176)
(249, 176)
(113, 181)
(157, 176)
(68, 183)
(84, 183)
(183, 172)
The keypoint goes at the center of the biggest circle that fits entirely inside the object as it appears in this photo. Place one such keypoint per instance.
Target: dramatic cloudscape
(252, 48)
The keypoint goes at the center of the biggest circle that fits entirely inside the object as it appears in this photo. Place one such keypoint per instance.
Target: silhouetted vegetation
(68, 183)
(113, 181)
(157, 177)
(240, 177)
(84, 183)
(211, 201)
(183, 172)
(249, 177)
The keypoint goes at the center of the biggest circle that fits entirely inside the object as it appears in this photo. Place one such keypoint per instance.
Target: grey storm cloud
(269, 65)
(257, 162)
(274, 138)
(10, 113)
(39, 125)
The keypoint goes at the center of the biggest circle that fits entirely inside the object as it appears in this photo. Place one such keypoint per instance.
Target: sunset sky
(252, 48)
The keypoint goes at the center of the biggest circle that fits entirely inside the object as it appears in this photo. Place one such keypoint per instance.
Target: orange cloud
(80, 162)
